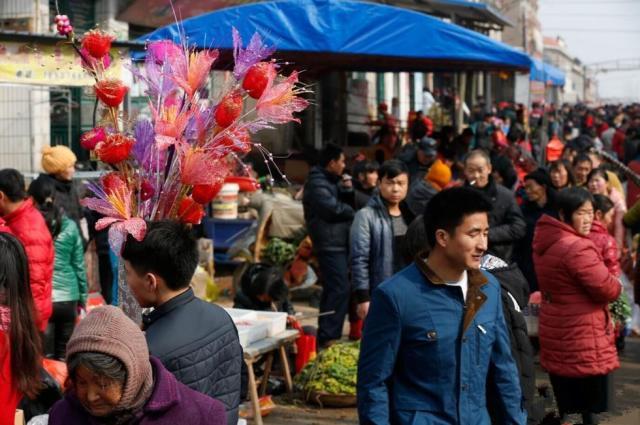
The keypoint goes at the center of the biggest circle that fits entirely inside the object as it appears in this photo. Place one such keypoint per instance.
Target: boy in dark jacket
(195, 340)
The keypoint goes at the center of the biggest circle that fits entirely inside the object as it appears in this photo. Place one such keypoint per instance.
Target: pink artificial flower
(199, 165)
(170, 123)
(279, 101)
(116, 204)
(193, 75)
(164, 51)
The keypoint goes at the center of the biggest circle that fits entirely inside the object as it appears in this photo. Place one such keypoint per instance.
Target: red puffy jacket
(3, 226)
(576, 333)
(28, 225)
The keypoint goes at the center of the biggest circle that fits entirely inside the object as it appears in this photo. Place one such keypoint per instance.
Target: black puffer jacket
(506, 224)
(515, 296)
(420, 193)
(198, 343)
(327, 211)
(67, 197)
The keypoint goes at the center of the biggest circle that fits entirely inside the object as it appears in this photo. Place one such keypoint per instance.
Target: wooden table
(268, 347)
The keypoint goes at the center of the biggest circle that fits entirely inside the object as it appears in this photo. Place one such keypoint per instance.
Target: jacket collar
(378, 203)
(597, 227)
(26, 204)
(475, 297)
(172, 304)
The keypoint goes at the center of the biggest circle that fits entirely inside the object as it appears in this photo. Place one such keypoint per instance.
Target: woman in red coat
(576, 332)
(19, 339)
(28, 225)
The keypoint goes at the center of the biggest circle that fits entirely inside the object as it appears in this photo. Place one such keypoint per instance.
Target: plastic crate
(225, 232)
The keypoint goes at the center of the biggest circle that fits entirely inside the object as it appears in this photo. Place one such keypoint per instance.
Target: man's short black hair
(12, 184)
(392, 169)
(168, 250)
(447, 210)
(366, 167)
(581, 157)
(331, 152)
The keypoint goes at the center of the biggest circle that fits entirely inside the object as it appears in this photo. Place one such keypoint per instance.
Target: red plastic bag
(57, 370)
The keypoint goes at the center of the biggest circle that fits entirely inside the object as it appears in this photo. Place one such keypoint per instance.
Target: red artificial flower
(111, 91)
(257, 78)
(204, 193)
(146, 190)
(229, 109)
(97, 43)
(89, 139)
(112, 183)
(189, 211)
(115, 149)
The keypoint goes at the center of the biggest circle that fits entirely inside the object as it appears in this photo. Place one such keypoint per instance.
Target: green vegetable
(278, 252)
(621, 309)
(334, 371)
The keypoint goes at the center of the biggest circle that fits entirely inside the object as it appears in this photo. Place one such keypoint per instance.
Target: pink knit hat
(108, 331)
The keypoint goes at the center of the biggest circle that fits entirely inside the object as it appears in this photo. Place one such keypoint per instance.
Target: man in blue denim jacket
(436, 330)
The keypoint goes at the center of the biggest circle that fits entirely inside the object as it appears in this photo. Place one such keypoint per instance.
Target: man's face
(394, 190)
(337, 166)
(468, 243)
(478, 170)
(368, 180)
(581, 171)
(142, 286)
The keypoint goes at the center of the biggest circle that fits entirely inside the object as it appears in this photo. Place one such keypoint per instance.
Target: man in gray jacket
(377, 233)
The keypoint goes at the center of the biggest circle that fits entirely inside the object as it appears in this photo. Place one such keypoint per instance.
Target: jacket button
(464, 387)
(464, 339)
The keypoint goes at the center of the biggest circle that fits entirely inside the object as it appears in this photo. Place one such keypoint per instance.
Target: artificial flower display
(172, 165)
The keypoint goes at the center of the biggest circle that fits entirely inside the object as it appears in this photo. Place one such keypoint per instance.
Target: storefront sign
(59, 65)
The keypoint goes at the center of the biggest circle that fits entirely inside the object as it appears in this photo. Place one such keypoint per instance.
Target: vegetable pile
(334, 371)
(278, 252)
(621, 309)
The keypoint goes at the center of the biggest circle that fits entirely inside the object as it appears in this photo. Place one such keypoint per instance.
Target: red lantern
(229, 109)
(257, 78)
(190, 212)
(111, 92)
(204, 193)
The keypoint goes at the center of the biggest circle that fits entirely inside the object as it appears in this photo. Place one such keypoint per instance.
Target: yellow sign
(59, 65)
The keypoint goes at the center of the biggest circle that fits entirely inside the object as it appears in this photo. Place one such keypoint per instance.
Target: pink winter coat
(576, 333)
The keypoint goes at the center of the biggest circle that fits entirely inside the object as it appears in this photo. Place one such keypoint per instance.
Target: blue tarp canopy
(349, 35)
(546, 73)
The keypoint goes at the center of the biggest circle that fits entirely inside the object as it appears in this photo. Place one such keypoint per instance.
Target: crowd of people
(431, 251)
(559, 196)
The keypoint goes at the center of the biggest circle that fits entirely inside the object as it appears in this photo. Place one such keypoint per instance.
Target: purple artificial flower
(254, 53)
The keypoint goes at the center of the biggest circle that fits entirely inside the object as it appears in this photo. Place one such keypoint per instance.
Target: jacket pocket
(485, 336)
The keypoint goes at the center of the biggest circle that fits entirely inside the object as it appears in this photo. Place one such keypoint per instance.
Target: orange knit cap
(439, 174)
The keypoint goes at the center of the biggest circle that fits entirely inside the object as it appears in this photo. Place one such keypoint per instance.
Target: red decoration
(238, 142)
(89, 139)
(112, 182)
(257, 78)
(229, 109)
(97, 43)
(190, 212)
(115, 149)
(204, 193)
(146, 190)
(111, 92)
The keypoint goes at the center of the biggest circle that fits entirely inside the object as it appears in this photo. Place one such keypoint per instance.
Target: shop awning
(546, 73)
(350, 35)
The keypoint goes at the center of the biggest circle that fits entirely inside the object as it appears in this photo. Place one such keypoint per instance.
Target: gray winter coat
(372, 247)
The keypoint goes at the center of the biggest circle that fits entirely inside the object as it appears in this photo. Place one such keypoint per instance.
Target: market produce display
(278, 252)
(621, 309)
(334, 371)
